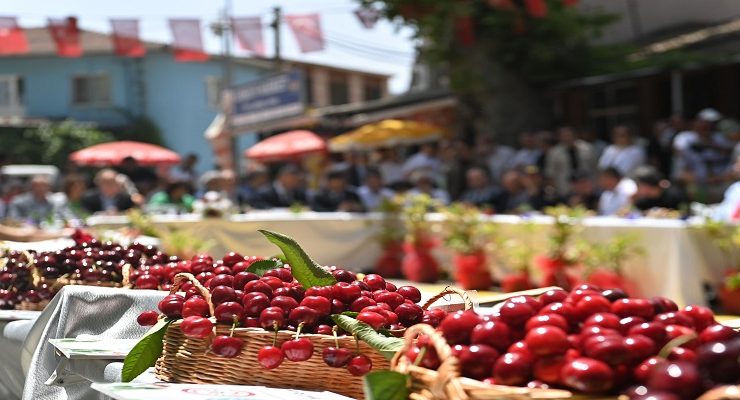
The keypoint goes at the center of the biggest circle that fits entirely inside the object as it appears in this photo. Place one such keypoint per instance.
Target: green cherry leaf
(305, 270)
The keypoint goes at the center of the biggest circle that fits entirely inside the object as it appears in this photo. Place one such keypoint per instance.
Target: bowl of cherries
(586, 341)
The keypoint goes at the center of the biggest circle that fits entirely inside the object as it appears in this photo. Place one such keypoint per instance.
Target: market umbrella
(113, 153)
(286, 146)
(389, 132)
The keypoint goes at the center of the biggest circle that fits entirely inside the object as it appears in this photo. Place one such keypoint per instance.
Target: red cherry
(284, 274)
(476, 361)
(614, 294)
(254, 303)
(337, 307)
(232, 258)
(607, 348)
(336, 357)
(342, 275)
(227, 313)
(374, 281)
(547, 341)
(359, 365)
(409, 314)
(360, 303)
(577, 294)
(270, 357)
(430, 360)
(227, 346)
(458, 327)
(628, 322)
(390, 287)
(653, 330)
(547, 320)
(221, 294)
(642, 371)
(251, 322)
(717, 333)
(553, 296)
(286, 303)
(375, 320)
(662, 304)
(241, 279)
(323, 291)
(639, 348)
(592, 304)
(196, 327)
(547, 369)
(633, 307)
(701, 316)
(675, 318)
(303, 314)
(564, 309)
(513, 369)
(520, 347)
(321, 305)
(323, 329)
(393, 299)
(300, 349)
(171, 305)
(676, 377)
(346, 293)
(674, 331)
(195, 306)
(258, 286)
(409, 293)
(597, 330)
(147, 318)
(221, 280)
(272, 318)
(516, 314)
(493, 333)
(603, 319)
(587, 375)
(204, 277)
(682, 354)
(147, 282)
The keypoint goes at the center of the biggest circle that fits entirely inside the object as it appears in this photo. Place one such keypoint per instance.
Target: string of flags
(187, 40)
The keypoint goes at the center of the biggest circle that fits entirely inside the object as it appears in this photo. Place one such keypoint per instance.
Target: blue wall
(174, 95)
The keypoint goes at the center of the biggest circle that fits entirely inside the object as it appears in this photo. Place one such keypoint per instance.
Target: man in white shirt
(623, 154)
(569, 157)
(497, 157)
(528, 153)
(426, 159)
(372, 193)
(617, 192)
(702, 152)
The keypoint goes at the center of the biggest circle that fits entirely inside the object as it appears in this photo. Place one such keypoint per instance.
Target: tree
(499, 54)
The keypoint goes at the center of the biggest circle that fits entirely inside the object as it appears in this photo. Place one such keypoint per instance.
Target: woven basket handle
(126, 275)
(466, 298)
(183, 277)
(444, 387)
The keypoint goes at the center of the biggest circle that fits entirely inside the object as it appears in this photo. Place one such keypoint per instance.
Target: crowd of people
(679, 162)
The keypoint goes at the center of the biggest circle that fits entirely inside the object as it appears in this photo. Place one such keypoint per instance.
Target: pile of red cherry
(276, 301)
(592, 341)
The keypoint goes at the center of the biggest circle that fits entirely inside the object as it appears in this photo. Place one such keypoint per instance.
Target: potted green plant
(390, 238)
(726, 239)
(603, 261)
(554, 265)
(465, 233)
(418, 264)
(516, 254)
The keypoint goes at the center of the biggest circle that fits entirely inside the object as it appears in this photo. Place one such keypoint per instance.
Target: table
(678, 258)
(14, 326)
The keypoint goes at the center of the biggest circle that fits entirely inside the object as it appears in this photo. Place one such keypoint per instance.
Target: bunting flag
(126, 41)
(307, 31)
(465, 30)
(187, 42)
(248, 32)
(12, 38)
(368, 16)
(536, 8)
(66, 36)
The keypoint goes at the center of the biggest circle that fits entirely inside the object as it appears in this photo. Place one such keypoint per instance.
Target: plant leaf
(352, 314)
(387, 346)
(305, 270)
(262, 266)
(145, 353)
(386, 385)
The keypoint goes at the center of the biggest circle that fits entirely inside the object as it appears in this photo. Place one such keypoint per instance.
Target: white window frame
(105, 100)
(212, 84)
(15, 104)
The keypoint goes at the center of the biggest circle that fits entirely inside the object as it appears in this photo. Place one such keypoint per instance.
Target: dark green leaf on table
(145, 353)
(305, 270)
(262, 266)
(387, 346)
(386, 385)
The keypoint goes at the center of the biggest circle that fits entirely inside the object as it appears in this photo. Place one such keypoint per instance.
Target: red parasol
(286, 145)
(112, 153)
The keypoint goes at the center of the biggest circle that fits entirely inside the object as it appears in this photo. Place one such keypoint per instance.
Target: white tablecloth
(678, 259)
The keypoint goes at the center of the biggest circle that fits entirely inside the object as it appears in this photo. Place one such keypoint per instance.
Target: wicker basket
(28, 306)
(446, 383)
(187, 360)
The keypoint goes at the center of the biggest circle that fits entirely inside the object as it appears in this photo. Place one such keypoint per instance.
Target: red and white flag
(248, 32)
(12, 38)
(188, 42)
(126, 41)
(307, 31)
(66, 36)
(368, 16)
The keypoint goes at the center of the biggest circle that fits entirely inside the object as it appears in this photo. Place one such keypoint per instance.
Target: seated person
(514, 197)
(254, 184)
(108, 195)
(372, 193)
(175, 196)
(336, 195)
(729, 208)
(583, 192)
(480, 192)
(655, 192)
(35, 206)
(424, 183)
(286, 190)
(617, 192)
(539, 193)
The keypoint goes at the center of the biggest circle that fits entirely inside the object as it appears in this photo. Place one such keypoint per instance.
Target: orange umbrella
(286, 145)
(113, 153)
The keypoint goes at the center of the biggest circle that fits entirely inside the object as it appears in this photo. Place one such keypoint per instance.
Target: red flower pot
(419, 265)
(607, 279)
(730, 300)
(516, 281)
(389, 263)
(554, 273)
(471, 271)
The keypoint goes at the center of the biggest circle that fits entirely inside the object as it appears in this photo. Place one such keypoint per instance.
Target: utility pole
(277, 20)
(223, 28)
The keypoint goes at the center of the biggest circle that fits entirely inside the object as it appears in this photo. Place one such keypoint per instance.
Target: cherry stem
(675, 342)
(298, 331)
(274, 338)
(336, 339)
(420, 357)
(233, 325)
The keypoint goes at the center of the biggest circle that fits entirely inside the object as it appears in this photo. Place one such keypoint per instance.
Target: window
(213, 91)
(11, 95)
(338, 91)
(613, 104)
(91, 90)
(373, 90)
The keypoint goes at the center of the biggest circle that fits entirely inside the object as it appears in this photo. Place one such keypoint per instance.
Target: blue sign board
(268, 99)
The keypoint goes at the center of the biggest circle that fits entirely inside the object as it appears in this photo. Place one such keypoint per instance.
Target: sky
(385, 49)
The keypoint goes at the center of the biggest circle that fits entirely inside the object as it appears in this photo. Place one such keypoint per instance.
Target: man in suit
(285, 191)
(336, 195)
(569, 157)
(108, 195)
